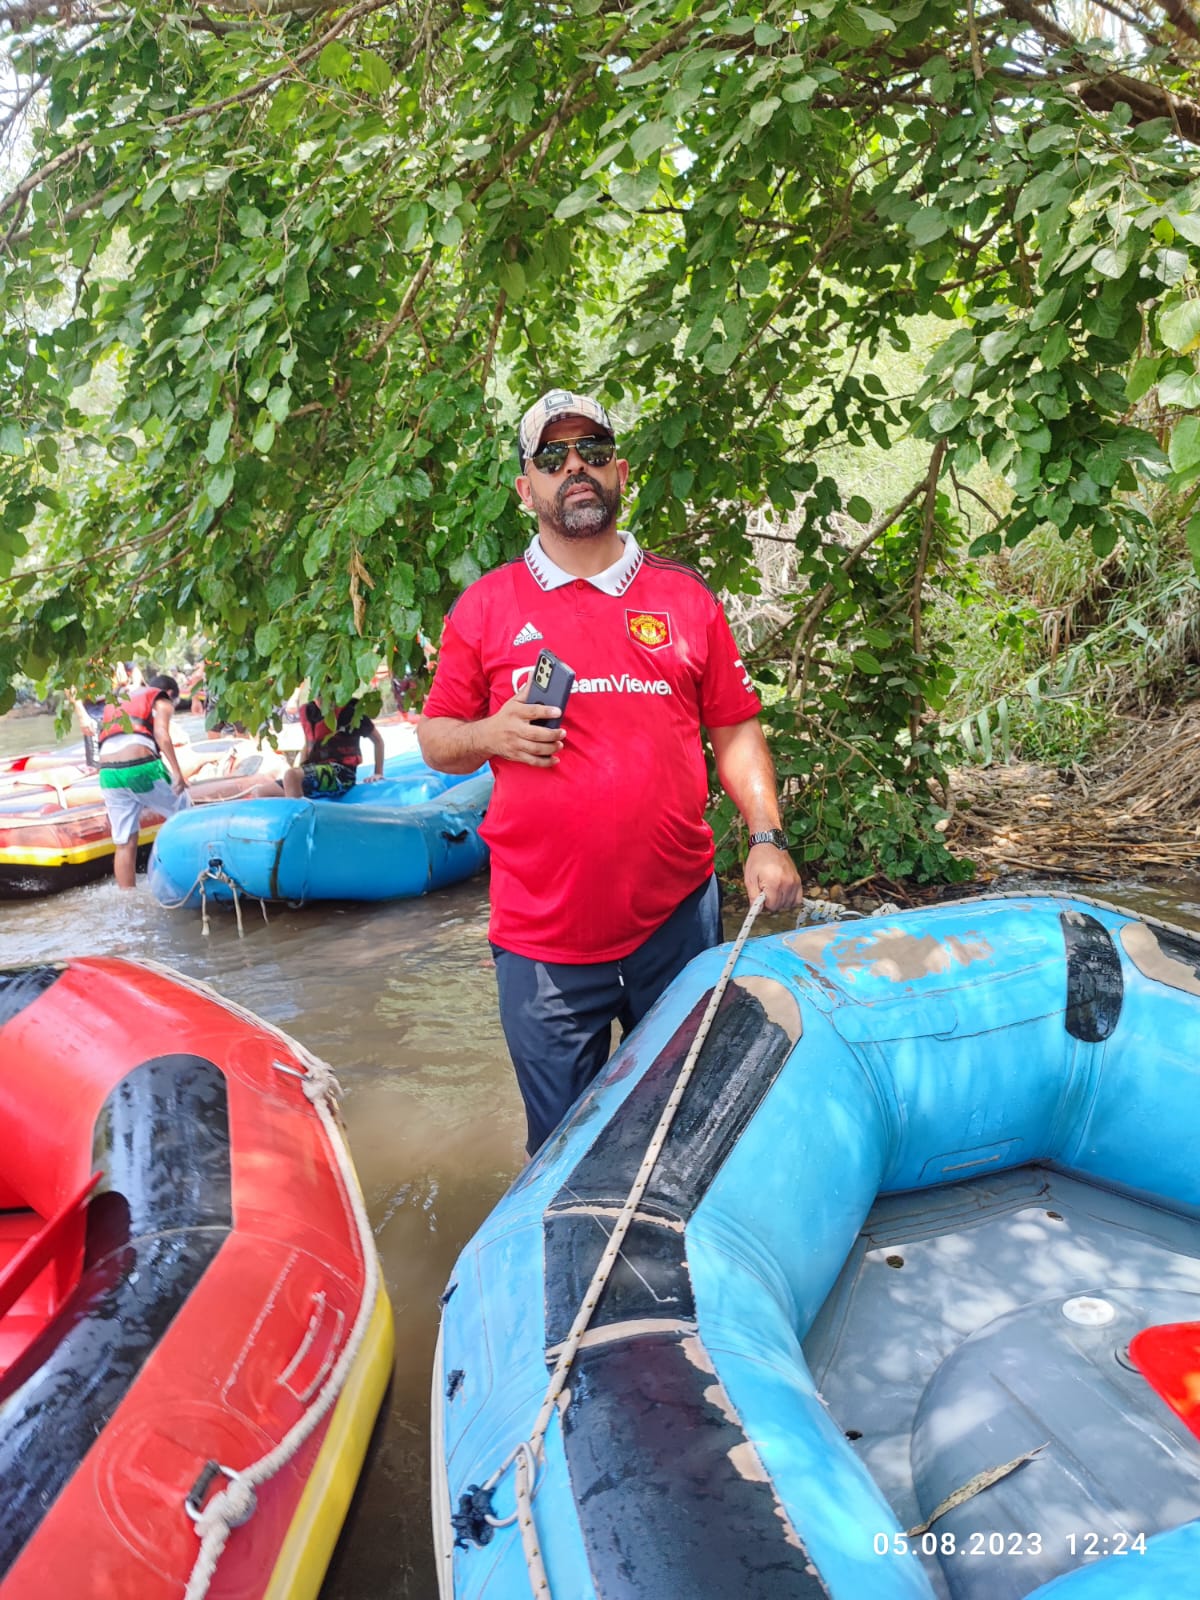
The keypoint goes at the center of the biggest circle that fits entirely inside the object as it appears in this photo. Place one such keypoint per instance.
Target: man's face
(578, 501)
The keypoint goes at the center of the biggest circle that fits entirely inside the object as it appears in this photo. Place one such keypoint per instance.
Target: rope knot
(320, 1083)
(228, 1509)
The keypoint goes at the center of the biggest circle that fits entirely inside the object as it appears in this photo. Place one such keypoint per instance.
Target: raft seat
(40, 1262)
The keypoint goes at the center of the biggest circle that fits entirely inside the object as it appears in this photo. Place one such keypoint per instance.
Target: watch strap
(775, 836)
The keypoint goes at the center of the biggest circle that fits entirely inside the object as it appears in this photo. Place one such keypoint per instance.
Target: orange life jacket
(135, 715)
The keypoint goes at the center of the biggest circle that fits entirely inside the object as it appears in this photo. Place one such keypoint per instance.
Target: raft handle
(243, 1506)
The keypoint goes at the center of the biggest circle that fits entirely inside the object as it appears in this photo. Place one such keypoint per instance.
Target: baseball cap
(556, 403)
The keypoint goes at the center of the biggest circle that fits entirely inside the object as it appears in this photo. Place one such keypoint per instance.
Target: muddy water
(399, 999)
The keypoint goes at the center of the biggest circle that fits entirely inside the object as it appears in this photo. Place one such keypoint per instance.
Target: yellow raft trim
(310, 1540)
(56, 856)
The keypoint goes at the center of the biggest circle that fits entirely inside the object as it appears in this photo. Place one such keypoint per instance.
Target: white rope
(234, 1504)
(203, 878)
(528, 1452)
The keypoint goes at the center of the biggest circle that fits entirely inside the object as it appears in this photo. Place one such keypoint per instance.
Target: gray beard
(583, 519)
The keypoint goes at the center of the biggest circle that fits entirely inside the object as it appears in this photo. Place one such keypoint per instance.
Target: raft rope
(529, 1451)
(236, 1504)
(214, 872)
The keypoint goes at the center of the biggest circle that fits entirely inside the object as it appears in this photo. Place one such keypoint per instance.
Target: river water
(399, 998)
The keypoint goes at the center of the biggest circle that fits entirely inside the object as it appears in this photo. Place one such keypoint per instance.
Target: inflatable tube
(181, 1266)
(382, 841)
(910, 1306)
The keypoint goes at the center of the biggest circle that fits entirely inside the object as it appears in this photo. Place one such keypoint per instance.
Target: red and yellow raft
(192, 1320)
(46, 846)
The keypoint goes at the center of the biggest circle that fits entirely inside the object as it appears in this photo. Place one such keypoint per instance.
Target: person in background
(602, 882)
(139, 769)
(89, 701)
(331, 757)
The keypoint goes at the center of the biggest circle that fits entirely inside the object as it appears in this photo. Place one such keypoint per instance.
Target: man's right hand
(515, 733)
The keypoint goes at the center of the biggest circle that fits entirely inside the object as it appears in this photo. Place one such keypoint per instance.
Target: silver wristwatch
(775, 836)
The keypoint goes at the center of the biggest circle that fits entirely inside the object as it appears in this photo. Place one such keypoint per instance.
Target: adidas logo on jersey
(528, 634)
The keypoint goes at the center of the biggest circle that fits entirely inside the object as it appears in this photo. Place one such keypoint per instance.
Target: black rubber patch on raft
(163, 1212)
(653, 1447)
(20, 987)
(665, 1513)
(1095, 986)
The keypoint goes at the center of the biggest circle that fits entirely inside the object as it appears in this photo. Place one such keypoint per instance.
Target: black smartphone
(550, 686)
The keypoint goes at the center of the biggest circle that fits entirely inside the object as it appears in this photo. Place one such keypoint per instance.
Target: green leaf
(264, 436)
(1179, 326)
(995, 346)
(1143, 377)
(1193, 540)
(376, 71)
(122, 448)
(511, 277)
(12, 440)
(755, 278)
(578, 200)
(115, 201)
(634, 191)
(866, 662)
(1184, 449)
(873, 21)
(1056, 348)
(335, 61)
(927, 224)
(762, 111)
(219, 484)
(1180, 389)
(649, 137)
(1112, 262)
(218, 437)
(859, 509)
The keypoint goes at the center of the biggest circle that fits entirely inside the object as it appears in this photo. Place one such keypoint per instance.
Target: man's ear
(525, 492)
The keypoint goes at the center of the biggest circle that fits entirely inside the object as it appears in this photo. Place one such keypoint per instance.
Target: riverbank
(1134, 812)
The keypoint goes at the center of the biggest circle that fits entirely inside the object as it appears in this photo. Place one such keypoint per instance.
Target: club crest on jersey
(649, 628)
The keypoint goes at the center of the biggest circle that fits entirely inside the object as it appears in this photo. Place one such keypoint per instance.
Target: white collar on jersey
(613, 580)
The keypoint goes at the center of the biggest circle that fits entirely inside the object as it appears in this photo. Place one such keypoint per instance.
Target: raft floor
(943, 1351)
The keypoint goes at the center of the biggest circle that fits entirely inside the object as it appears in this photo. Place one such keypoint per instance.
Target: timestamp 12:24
(1088, 1545)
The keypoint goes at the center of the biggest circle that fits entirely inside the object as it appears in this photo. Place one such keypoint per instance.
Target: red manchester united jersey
(591, 856)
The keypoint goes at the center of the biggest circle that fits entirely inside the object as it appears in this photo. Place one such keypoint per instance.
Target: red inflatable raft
(194, 1340)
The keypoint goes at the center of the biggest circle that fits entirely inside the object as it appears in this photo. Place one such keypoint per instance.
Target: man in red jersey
(602, 881)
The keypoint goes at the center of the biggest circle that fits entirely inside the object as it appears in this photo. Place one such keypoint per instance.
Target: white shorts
(125, 807)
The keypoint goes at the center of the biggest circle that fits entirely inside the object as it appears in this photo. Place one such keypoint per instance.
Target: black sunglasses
(593, 450)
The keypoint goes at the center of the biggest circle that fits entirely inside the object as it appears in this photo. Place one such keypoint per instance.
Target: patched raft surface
(892, 953)
(1166, 958)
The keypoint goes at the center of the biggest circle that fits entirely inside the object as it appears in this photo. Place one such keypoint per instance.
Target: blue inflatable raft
(909, 1308)
(400, 837)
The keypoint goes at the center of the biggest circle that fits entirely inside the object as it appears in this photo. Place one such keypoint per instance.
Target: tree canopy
(277, 277)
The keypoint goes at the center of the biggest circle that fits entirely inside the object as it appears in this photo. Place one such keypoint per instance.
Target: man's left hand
(373, 777)
(770, 869)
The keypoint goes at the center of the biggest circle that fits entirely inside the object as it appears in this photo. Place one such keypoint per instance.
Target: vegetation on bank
(276, 282)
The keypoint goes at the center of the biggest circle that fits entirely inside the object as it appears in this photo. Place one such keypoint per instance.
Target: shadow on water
(399, 999)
